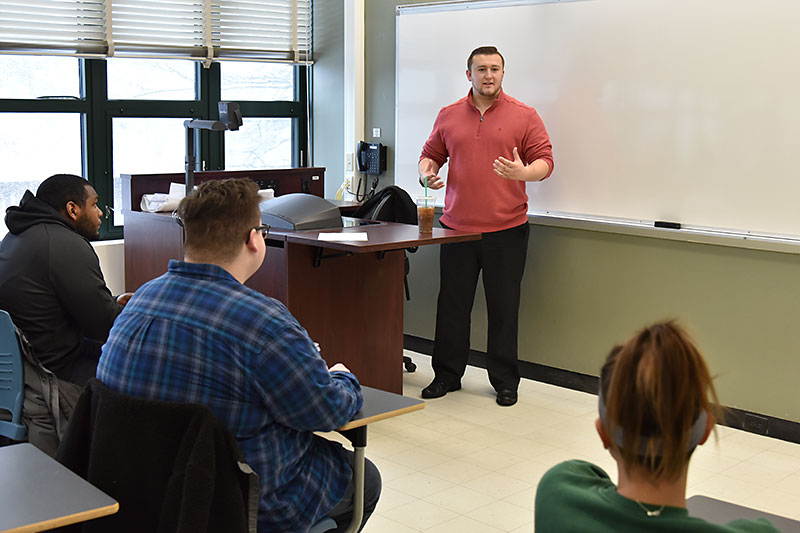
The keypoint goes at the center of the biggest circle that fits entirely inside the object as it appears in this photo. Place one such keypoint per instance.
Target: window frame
(97, 112)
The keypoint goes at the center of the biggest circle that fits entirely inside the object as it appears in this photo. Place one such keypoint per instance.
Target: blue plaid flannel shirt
(197, 335)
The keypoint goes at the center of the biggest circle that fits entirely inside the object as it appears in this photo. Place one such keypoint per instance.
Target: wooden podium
(347, 295)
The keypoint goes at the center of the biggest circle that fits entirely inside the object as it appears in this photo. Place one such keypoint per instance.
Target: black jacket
(172, 466)
(51, 283)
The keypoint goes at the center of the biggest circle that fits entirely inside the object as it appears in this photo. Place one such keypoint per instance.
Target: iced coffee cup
(425, 206)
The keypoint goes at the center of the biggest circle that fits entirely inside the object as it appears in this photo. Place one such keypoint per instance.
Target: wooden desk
(38, 493)
(151, 239)
(347, 295)
(378, 405)
(720, 512)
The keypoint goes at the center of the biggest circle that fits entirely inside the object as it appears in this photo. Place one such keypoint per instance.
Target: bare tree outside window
(260, 142)
(150, 79)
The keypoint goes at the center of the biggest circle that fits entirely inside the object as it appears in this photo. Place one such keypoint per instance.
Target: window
(39, 77)
(140, 69)
(162, 139)
(150, 79)
(42, 144)
(260, 143)
(257, 81)
(103, 118)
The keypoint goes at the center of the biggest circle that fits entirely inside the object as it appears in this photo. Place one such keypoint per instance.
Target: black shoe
(506, 397)
(437, 389)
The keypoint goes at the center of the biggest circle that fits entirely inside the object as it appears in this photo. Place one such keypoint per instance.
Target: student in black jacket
(50, 278)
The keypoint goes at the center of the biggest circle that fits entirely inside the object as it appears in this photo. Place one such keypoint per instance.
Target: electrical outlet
(756, 424)
(376, 133)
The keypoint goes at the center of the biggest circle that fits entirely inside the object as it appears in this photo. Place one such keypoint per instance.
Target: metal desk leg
(358, 437)
(358, 493)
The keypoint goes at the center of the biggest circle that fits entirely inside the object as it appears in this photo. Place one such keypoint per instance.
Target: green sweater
(576, 496)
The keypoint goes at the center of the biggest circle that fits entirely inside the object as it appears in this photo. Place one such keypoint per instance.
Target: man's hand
(123, 298)
(517, 170)
(510, 170)
(427, 173)
(338, 367)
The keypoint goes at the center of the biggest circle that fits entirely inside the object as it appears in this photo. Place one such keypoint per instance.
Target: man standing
(197, 334)
(50, 278)
(494, 145)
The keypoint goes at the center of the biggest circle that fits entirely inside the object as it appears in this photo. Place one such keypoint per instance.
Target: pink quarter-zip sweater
(477, 199)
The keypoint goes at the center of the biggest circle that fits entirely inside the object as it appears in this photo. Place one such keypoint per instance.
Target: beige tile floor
(465, 465)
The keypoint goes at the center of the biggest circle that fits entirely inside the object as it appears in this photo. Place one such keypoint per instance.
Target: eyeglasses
(264, 229)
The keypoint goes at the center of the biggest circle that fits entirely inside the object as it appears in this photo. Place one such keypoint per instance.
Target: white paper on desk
(338, 237)
(159, 202)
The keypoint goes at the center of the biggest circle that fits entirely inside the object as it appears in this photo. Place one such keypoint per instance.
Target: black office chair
(393, 204)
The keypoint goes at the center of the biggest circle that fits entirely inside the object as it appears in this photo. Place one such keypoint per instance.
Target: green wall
(587, 290)
(327, 127)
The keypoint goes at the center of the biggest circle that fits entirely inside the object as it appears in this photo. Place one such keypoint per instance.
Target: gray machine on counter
(300, 211)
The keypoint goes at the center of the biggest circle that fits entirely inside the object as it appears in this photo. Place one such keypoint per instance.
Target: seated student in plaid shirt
(197, 334)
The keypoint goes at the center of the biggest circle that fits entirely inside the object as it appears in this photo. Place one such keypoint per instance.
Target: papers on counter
(160, 202)
(341, 237)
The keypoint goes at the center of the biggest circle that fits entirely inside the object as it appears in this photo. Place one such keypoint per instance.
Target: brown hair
(655, 387)
(485, 51)
(217, 217)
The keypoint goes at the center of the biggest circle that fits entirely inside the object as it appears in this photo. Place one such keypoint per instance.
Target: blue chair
(12, 380)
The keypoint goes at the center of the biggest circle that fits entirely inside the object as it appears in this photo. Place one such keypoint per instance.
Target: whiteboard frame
(642, 228)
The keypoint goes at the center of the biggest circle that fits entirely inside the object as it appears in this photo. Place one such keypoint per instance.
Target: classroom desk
(347, 295)
(378, 405)
(38, 493)
(720, 512)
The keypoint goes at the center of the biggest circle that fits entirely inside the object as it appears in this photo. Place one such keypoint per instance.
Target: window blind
(259, 30)
(53, 26)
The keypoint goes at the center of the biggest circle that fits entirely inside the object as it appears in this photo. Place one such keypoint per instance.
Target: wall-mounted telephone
(371, 158)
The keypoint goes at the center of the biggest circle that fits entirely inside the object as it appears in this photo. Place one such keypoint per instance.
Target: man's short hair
(59, 189)
(485, 51)
(217, 217)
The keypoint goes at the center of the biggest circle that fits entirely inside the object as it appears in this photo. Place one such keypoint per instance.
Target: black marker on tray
(668, 225)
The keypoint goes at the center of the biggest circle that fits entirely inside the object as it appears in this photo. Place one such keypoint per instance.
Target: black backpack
(390, 204)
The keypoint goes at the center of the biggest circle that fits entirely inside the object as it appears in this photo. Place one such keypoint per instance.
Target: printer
(300, 211)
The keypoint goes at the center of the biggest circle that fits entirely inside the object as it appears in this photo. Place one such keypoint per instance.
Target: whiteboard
(677, 110)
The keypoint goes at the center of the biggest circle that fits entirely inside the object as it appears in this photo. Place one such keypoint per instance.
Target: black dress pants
(500, 255)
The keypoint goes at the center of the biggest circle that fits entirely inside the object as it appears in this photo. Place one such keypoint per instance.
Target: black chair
(171, 466)
(393, 204)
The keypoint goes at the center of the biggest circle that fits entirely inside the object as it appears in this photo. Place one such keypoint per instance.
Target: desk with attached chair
(38, 493)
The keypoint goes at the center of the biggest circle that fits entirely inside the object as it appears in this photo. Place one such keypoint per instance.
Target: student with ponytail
(656, 404)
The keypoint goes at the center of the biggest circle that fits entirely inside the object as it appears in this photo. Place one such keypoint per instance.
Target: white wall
(112, 263)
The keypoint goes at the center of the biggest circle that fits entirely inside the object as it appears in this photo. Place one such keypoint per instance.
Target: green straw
(426, 191)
